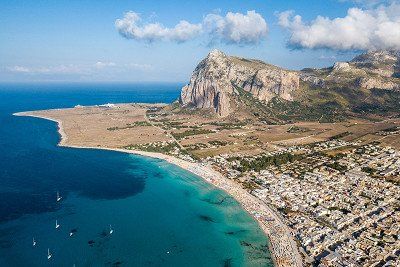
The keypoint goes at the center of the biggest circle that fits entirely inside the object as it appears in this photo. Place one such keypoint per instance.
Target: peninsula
(313, 155)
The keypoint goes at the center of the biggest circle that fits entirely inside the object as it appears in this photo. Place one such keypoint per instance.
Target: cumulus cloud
(360, 29)
(130, 27)
(233, 28)
(236, 28)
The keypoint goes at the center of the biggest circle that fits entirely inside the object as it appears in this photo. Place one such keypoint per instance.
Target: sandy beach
(281, 241)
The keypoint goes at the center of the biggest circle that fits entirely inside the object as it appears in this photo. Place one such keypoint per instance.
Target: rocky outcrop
(381, 62)
(370, 83)
(219, 76)
(341, 66)
(313, 80)
(376, 69)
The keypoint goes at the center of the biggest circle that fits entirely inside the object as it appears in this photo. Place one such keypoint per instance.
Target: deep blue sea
(161, 215)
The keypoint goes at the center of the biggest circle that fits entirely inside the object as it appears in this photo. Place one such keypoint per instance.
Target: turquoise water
(161, 215)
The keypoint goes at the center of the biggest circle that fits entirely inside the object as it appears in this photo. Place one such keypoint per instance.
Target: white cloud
(236, 28)
(324, 57)
(233, 28)
(369, 3)
(98, 67)
(66, 69)
(18, 69)
(360, 29)
(102, 65)
(130, 27)
(139, 66)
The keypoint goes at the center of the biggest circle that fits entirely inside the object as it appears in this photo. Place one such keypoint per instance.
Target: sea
(159, 214)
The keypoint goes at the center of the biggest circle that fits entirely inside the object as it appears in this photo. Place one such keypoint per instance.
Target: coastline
(281, 243)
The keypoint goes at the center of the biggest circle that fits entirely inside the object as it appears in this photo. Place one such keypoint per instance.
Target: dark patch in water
(104, 233)
(6, 236)
(158, 175)
(227, 262)
(206, 218)
(259, 252)
(234, 232)
(15, 204)
(216, 202)
(117, 263)
(5, 244)
(186, 193)
(74, 230)
(245, 244)
(52, 168)
(91, 243)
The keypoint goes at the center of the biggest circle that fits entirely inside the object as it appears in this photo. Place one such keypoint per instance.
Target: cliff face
(215, 79)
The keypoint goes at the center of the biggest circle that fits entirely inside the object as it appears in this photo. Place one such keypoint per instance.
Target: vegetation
(339, 136)
(391, 130)
(154, 147)
(167, 125)
(250, 185)
(297, 129)
(218, 143)
(280, 111)
(379, 101)
(195, 146)
(337, 156)
(228, 125)
(130, 125)
(336, 166)
(191, 132)
(369, 170)
(261, 163)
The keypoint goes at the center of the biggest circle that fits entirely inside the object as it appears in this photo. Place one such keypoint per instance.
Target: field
(152, 127)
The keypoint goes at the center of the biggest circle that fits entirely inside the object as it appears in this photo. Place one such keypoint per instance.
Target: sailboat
(57, 225)
(33, 242)
(49, 255)
(58, 197)
(111, 230)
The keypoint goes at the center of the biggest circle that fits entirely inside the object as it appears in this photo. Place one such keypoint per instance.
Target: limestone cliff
(218, 76)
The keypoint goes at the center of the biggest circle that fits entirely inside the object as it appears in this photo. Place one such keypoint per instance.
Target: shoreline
(281, 244)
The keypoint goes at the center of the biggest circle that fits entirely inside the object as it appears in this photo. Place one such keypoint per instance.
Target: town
(344, 210)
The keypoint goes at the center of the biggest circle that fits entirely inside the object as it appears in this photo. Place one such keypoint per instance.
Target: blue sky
(79, 41)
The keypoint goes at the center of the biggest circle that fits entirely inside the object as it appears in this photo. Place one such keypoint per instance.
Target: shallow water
(161, 214)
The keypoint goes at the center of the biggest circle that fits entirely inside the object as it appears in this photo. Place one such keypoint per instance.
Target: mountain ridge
(217, 80)
(214, 80)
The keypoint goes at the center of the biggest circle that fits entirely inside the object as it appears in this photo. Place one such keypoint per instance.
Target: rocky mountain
(218, 76)
(377, 69)
(224, 84)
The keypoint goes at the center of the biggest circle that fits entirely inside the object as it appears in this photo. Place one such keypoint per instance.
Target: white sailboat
(33, 242)
(58, 197)
(71, 233)
(111, 230)
(49, 255)
(57, 225)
